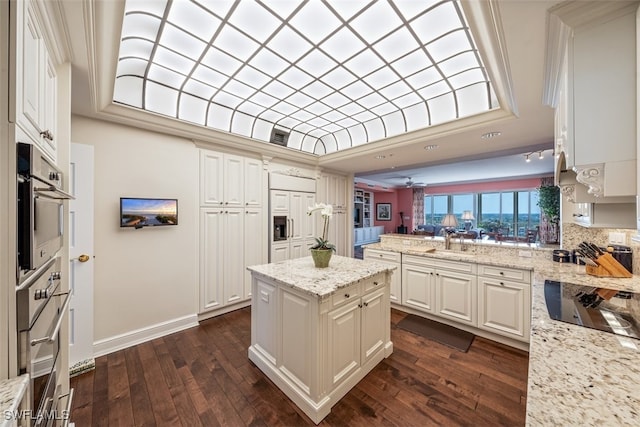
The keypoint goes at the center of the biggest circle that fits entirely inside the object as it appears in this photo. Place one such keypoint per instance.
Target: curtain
(418, 208)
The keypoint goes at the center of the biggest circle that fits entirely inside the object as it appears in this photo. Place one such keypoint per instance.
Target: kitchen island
(316, 332)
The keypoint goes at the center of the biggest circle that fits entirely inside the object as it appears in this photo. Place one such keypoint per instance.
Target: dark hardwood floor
(202, 377)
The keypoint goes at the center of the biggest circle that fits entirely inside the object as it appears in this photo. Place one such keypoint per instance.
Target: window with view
(512, 214)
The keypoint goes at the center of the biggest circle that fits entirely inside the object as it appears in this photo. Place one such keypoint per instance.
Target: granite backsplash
(573, 234)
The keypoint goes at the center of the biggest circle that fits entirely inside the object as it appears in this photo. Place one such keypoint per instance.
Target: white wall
(149, 276)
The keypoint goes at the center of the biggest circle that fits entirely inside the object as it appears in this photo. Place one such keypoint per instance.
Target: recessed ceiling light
(431, 147)
(490, 135)
(380, 157)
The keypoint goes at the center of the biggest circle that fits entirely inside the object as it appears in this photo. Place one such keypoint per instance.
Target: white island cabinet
(316, 332)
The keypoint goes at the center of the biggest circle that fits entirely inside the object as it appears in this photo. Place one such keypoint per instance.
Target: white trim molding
(138, 336)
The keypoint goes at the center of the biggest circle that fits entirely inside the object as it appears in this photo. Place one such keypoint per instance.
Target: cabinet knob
(359, 305)
(375, 283)
(502, 273)
(347, 295)
(366, 304)
(380, 255)
(501, 283)
(226, 203)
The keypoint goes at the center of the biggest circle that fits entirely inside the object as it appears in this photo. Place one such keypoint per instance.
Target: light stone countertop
(11, 393)
(301, 274)
(577, 376)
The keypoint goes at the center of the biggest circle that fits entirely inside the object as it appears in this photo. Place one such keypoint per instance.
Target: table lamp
(467, 216)
(449, 222)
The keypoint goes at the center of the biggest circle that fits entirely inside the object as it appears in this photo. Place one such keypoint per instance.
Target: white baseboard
(119, 342)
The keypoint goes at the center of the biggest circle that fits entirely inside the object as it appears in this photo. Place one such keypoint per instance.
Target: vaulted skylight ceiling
(330, 74)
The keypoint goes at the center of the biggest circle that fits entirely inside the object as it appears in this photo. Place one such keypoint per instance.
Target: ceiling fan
(411, 184)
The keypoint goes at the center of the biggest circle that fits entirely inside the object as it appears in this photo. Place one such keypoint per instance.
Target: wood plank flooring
(202, 377)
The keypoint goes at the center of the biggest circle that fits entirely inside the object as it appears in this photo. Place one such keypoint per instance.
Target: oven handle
(67, 409)
(36, 275)
(53, 189)
(56, 328)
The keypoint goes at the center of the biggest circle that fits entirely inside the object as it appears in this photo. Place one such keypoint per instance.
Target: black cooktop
(616, 312)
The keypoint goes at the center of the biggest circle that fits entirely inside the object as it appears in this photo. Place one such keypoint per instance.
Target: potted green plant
(549, 203)
(321, 252)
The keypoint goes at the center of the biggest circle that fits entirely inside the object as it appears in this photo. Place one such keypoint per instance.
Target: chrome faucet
(447, 240)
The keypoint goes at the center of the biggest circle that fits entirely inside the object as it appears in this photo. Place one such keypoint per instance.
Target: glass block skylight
(330, 74)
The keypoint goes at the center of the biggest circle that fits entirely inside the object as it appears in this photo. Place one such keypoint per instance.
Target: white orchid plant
(326, 211)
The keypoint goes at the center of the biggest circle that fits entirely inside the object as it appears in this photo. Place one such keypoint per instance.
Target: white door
(81, 256)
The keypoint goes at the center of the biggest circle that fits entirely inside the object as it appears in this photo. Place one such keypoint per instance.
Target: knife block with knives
(603, 264)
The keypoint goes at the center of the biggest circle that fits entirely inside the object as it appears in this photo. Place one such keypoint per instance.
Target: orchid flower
(327, 212)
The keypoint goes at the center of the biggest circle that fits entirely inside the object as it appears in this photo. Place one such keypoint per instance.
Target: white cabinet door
(456, 296)
(212, 251)
(255, 239)
(233, 248)
(279, 202)
(340, 190)
(344, 341)
(30, 57)
(306, 223)
(233, 181)
(211, 178)
(50, 109)
(418, 287)
(298, 249)
(253, 183)
(504, 308)
(359, 236)
(374, 317)
(225, 180)
(280, 252)
(338, 232)
(297, 209)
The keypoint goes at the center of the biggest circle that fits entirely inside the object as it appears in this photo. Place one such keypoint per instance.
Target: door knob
(82, 258)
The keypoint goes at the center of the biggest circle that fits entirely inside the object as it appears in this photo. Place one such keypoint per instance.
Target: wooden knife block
(608, 266)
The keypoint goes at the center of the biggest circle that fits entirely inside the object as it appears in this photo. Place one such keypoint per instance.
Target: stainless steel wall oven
(40, 209)
(40, 311)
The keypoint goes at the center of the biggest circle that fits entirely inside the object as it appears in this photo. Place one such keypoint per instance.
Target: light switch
(617, 238)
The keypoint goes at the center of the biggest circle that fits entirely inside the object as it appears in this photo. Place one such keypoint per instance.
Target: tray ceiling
(322, 75)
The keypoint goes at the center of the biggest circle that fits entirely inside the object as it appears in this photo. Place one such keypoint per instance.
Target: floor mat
(444, 334)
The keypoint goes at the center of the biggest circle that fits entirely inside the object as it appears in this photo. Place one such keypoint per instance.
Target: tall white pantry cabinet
(232, 228)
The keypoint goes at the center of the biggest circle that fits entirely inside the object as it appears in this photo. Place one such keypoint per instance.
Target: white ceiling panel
(322, 66)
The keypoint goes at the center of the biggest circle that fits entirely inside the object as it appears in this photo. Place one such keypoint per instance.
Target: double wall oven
(40, 303)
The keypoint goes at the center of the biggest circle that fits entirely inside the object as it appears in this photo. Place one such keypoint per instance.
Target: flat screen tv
(138, 212)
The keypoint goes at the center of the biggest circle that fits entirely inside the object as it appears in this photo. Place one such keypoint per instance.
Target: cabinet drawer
(374, 282)
(382, 255)
(513, 274)
(459, 266)
(346, 294)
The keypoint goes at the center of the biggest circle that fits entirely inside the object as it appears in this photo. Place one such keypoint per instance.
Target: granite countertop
(11, 393)
(300, 273)
(577, 375)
